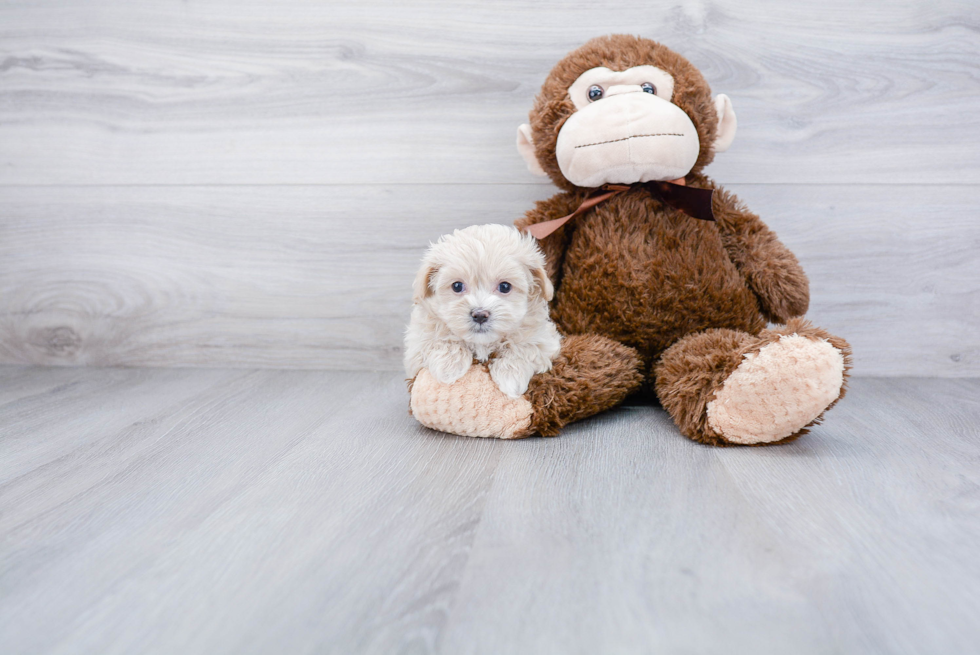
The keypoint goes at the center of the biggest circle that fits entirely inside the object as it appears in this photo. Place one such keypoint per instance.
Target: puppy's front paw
(511, 378)
(450, 365)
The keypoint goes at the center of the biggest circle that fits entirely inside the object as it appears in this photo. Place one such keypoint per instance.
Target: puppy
(482, 293)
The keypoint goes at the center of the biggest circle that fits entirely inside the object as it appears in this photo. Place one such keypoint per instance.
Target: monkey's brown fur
(590, 374)
(650, 293)
(706, 359)
(553, 106)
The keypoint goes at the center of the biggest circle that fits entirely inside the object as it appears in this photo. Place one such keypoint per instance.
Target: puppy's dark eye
(458, 287)
(504, 287)
(595, 92)
(648, 88)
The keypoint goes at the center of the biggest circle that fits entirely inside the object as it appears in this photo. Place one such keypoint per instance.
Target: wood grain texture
(168, 92)
(319, 277)
(232, 511)
(250, 184)
(224, 474)
(631, 539)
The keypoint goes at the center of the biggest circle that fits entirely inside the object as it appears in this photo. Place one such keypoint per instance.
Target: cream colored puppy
(482, 293)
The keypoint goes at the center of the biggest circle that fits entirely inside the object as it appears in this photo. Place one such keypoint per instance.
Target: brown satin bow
(693, 202)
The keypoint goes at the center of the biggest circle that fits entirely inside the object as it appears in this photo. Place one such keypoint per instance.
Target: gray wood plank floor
(237, 511)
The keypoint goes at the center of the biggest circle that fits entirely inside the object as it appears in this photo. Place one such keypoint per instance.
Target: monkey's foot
(472, 406)
(777, 391)
(727, 387)
(590, 375)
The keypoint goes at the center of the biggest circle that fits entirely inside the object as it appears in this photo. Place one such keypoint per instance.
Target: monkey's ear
(726, 123)
(525, 146)
(543, 282)
(421, 288)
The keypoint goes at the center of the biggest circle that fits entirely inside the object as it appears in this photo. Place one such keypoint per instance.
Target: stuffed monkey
(662, 278)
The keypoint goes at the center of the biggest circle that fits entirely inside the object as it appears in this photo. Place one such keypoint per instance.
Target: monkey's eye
(648, 88)
(595, 92)
(504, 287)
(458, 287)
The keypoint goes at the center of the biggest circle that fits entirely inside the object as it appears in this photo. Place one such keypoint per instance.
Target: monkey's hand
(769, 268)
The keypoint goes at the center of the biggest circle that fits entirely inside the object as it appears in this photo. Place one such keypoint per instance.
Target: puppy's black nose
(480, 316)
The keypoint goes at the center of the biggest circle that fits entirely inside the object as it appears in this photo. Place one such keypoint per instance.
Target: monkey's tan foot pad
(777, 391)
(472, 406)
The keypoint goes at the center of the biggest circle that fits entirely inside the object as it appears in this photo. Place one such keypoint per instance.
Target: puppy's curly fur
(482, 293)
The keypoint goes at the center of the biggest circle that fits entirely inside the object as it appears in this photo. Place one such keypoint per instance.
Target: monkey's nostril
(480, 316)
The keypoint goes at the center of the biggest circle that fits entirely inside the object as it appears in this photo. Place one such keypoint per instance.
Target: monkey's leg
(590, 374)
(727, 387)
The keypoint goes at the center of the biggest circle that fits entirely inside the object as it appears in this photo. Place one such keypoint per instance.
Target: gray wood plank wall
(252, 183)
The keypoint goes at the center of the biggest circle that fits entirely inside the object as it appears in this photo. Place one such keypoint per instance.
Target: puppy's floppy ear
(421, 288)
(543, 283)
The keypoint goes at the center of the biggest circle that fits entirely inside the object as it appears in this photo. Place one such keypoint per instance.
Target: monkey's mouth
(627, 138)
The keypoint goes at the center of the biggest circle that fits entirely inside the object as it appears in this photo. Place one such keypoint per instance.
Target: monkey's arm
(553, 245)
(771, 270)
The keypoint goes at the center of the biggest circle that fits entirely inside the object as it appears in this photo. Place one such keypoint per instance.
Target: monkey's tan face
(626, 129)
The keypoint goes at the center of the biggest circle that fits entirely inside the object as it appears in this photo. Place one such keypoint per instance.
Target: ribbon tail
(545, 228)
(541, 230)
